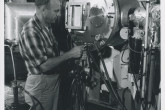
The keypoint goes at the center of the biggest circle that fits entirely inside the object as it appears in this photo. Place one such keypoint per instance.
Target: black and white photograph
(82, 55)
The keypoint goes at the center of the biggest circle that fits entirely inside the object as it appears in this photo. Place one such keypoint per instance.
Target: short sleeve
(34, 48)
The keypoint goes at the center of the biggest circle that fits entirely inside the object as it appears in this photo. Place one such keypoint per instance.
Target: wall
(19, 1)
(21, 71)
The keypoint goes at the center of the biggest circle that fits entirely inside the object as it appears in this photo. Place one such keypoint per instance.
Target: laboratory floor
(90, 105)
(9, 97)
(23, 106)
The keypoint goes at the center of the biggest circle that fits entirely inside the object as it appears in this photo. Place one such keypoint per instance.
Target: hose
(32, 97)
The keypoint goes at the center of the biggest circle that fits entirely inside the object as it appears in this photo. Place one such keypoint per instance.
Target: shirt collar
(39, 24)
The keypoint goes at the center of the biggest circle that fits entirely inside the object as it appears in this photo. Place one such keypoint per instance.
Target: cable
(123, 55)
(136, 85)
(77, 85)
(142, 3)
(76, 90)
(134, 79)
(32, 97)
(15, 79)
(109, 80)
(133, 50)
(80, 91)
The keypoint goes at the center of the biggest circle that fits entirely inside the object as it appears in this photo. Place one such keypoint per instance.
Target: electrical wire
(81, 96)
(76, 91)
(135, 81)
(32, 97)
(102, 76)
(142, 3)
(133, 49)
(76, 87)
(109, 80)
(131, 68)
(136, 85)
(123, 55)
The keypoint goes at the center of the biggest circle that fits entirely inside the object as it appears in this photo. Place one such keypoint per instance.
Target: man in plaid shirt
(39, 50)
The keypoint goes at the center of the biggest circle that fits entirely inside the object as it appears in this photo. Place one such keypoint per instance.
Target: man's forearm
(54, 62)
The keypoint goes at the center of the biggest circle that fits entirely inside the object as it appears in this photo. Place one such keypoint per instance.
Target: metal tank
(98, 20)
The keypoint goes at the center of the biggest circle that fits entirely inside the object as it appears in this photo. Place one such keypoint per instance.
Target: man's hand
(76, 52)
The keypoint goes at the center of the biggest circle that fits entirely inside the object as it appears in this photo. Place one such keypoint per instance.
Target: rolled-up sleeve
(34, 48)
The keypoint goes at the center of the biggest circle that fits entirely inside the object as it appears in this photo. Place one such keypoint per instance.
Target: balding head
(47, 10)
(41, 2)
(55, 3)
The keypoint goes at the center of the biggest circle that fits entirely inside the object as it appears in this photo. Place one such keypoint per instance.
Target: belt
(50, 72)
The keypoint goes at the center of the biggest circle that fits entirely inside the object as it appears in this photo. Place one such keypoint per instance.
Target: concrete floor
(9, 97)
(23, 106)
(91, 105)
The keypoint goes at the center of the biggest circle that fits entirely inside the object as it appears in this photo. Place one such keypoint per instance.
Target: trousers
(45, 88)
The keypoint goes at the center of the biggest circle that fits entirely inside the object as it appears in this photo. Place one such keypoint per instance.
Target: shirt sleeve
(34, 48)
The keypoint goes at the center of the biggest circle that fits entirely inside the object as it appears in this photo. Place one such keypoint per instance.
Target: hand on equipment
(76, 52)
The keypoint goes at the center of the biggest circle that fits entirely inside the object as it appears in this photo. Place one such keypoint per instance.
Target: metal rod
(12, 58)
(14, 83)
(145, 52)
(11, 50)
(111, 89)
(151, 76)
(159, 99)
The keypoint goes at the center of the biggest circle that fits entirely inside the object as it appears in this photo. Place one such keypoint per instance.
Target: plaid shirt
(37, 44)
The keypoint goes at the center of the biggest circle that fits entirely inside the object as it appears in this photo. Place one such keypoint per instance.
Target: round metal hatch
(102, 21)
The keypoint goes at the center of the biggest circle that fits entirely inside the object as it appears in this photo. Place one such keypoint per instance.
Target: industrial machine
(135, 24)
(132, 27)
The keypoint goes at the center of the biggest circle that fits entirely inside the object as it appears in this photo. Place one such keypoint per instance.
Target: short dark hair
(41, 2)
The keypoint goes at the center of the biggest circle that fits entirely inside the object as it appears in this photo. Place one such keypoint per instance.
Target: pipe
(145, 51)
